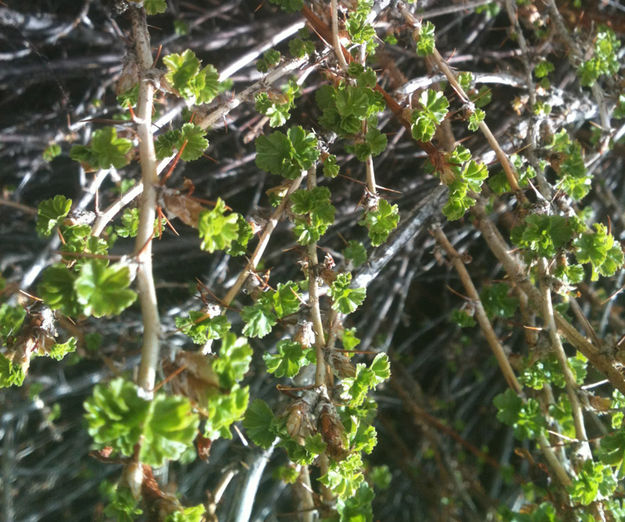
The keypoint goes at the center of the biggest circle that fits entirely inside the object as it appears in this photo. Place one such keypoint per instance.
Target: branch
(480, 313)
(147, 206)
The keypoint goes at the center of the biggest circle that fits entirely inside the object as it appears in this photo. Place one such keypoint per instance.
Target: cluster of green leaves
(479, 97)
(360, 31)
(269, 59)
(604, 61)
(313, 214)
(524, 416)
(91, 287)
(277, 106)
(594, 481)
(463, 175)
(117, 416)
(289, 359)
(344, 298)
(190, 139)
(355, 388)
(346, 106)
(287, 154)
(301, 45)
(542, 235)
(187, 78)
(600, 250)
(431, 113)
(105, 150)
(569, 164)
(202, 327)
(270, 306)
(380, 221)
(525, 172)
(426, 42)
(130, 224)
(221, 231)
(547, 370)
(497, 302)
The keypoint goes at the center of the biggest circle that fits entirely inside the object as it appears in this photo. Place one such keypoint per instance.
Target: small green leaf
(426, 42)
(225, 409)
(216, 229)
(286, 300)
(194, 84)
(355, 251)
(270, 59)
(259, 318)
(345, 299)
(202, 328)
(496, 301)
(290, 358)
(381, 222)
(51, 213)
(60, 350)
(51, 152)
(344, 478)
(153, 7)
(259, 424)
(234, 360)
(189, 514)
(106, 150)
(103, 290)
(10, 374)
(11, 319)
(355, 388)
(191, 137)
(475, 118)
(57, 290)
(330, 167)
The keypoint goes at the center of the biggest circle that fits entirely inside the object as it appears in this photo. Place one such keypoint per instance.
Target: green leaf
(300, 47)
(344, 478)
(189, 514)
(270, 59)
(317, 210)
(431, 114)
(116, 415)
(525, 417)
(11, 319)
(60, 350)
(191, 137)
(496, 301)
(604, 60)
(194, 84)
(103, 290)
(234, 360)
(10, 374)
(345, 299)
(381, 222)
(612, 451)
(475, 118)
(51, 152)
(122, 505)
(355, 388)
(359, 29)
(600, 250)
(244, 234)
(202, 328)
(286, 300)
(286, 154)
(290, 358)
(217, 230)
(259, 423)
(355, 252)
(57, 290)
(544, 235)
(357, 508)
(594, 482)
(153, 7)
(349, 339)
(106, 150)
(330, 167)
(426, 42)
(225, 409)
(259, 318)
(543, 68)
(51, 213)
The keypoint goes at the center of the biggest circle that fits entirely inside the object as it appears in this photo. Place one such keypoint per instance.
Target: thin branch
(147, 207)
(480, 313)
(335, 36)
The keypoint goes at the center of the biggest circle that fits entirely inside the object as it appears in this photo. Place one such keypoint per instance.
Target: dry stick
(438, 60)
(482, 318)
(262, 242)
(516, 270)
(569, 378)
(147, 207)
